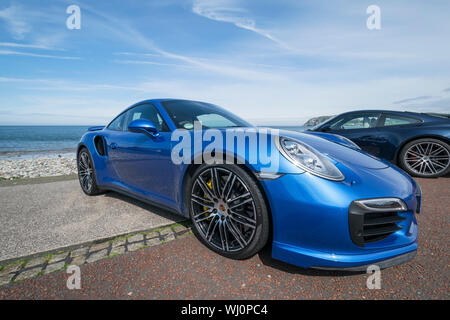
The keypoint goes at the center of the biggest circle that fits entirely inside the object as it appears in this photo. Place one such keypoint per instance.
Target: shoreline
(25, 181)
(44, 165)
(34, 154)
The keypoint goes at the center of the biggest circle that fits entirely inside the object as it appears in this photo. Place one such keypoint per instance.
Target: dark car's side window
(146, 111)
(117, 124)
(356, 121)
(395, 120)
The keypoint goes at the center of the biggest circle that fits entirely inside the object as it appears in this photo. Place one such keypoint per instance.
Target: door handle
(113, 145)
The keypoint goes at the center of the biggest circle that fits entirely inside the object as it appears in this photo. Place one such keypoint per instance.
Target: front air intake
(374, 219)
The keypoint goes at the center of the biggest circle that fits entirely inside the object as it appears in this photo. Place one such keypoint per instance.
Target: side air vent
(100, 145)
(374, 219)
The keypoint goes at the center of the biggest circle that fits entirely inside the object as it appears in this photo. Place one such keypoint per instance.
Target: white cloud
(123, 29)
(27, 46)
(224, 11)
(6, 79)
(421, 98)
(15, 21)
(151, 63)
(36, 24)
(36, 55)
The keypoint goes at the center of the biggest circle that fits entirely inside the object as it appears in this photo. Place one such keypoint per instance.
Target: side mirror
(143, 126)
(325, 129)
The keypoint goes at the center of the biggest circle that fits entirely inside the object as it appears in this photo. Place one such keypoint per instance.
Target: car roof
(160, 100)
(405, 113)
(382, 111)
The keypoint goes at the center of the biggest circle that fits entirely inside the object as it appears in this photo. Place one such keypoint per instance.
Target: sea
(29, 142)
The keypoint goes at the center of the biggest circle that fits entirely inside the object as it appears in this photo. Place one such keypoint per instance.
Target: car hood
(338, 152)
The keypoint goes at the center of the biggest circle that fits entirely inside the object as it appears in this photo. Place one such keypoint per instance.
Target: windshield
(323, 123)
(441, 115)
(183, 113)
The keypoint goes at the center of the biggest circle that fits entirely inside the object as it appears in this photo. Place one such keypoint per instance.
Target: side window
(395, 120)
(117, 124)
(149, 112)
(356, 121)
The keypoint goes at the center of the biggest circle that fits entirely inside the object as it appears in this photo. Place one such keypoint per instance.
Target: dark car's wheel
(86, 173)
(428, 158)
(228, 211)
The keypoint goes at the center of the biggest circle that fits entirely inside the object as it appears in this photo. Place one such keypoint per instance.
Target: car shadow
(162, 212)
(265, 255)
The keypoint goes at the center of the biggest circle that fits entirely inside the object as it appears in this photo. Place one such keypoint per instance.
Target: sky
(278, 61)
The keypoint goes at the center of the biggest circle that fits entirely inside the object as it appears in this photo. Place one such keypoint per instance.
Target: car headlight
(309, 159)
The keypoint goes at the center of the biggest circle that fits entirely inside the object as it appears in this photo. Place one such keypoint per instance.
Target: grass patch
(64, 267)
(160, 229)
(21, 262)
(9, 179)
(113, 255)
(122, 237)
(186, 223)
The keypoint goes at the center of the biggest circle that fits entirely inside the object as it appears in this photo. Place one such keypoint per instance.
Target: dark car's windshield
(183, 113)
(323, 123)
(440, 115)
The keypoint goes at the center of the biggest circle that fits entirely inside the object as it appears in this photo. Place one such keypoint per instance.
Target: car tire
(425, 158)
(235, 223)
(86, 173)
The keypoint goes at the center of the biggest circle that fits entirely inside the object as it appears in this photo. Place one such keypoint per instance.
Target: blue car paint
(309, 213)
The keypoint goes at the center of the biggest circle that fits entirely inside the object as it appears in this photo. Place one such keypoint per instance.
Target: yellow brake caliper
(209, 184)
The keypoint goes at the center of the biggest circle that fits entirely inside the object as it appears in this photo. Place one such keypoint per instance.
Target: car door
(143, 163)
(393, 130)
(360, 127)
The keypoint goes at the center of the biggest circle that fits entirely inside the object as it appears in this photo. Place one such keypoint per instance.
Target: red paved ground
(184, 269)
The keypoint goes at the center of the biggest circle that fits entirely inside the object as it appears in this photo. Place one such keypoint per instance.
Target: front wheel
(86, 173)
(427, 158)
(228, 211)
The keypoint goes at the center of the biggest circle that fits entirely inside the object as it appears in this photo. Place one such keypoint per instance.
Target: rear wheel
(86, 173)
(228, 211)
(428, 158)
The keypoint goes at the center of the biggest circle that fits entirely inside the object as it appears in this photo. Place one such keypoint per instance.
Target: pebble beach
(38, 151)
(58, 165)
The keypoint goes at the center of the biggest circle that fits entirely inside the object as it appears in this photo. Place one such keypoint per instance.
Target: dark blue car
(417, 142)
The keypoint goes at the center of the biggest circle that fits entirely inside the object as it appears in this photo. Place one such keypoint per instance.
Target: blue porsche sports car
(321, 201)
(417, 142)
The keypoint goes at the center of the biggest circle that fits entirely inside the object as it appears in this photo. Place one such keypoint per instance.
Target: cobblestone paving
(36, 265)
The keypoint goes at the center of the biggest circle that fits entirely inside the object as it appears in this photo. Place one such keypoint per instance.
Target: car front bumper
(310, 218)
